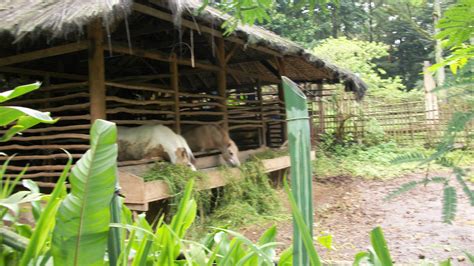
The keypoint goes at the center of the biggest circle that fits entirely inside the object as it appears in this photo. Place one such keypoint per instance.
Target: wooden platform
(138, 193)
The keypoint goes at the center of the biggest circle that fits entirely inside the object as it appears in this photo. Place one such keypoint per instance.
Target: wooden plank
(133, 187)
(96, 71)
(232, 51)
(41, 73)
(142, 122)
(137, 111)
(50, 99)
(45, 147)
(137, 102)
(139, 87)
(137, 191)
(68, 86)
(155, 55)
(36, 168)
(41, 157)
(48, 52)
(53, 137)
(53, 129)
(80, 106)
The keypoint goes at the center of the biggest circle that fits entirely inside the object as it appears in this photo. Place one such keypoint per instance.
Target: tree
(358, 56)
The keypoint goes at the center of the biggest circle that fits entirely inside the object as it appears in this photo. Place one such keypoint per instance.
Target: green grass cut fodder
(176, 177)
(247, 199)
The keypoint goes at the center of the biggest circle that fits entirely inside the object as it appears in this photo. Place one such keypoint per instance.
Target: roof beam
(200, 28)
(41, 73)
(270, 68)
(48, 52)
(159, 56)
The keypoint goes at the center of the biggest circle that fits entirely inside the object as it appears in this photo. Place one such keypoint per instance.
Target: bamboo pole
(96, 71)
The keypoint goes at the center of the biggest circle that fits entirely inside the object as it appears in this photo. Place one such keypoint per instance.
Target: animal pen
(140, 62)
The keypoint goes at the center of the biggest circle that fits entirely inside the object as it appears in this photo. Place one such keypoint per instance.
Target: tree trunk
(335, 25)
(371, 23)
(440, 73)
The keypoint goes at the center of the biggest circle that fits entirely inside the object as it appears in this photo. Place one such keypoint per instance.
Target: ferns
(469, 193)
(409, 158)
(402, 189)
(449, 204)
(456, 125)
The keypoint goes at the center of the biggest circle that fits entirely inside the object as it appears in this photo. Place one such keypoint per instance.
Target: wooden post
(431, 101)
(263, 132)
(175, 86)
(96, 71)
(322, 114)
(281, 95)
(222, 79)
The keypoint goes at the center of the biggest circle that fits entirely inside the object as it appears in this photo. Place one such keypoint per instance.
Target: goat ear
(229, 144)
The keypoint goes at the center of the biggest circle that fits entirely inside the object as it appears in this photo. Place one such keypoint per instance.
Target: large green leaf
(305, 233)
(82, 221)
(380, 246)
(25, 118)
(18, 91)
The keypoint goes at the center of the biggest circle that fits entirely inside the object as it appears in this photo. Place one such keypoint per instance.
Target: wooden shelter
(141, 62)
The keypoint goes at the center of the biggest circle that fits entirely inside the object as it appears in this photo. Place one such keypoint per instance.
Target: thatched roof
(55, 18)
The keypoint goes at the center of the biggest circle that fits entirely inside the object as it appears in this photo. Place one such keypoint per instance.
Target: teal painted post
(300, 153)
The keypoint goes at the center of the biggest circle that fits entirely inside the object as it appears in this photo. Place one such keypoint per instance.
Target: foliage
(353, 160)
(457, 31)
(373, 132)
(268, 154)
(304, 230)
(249, 12)
(257, 199)
(441, 156)
(23, 118)
(358, 56)
(82, 220)
(378, 254)
(40, 239)
(176, 177)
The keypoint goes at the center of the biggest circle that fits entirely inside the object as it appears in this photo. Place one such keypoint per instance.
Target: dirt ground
(348, 208)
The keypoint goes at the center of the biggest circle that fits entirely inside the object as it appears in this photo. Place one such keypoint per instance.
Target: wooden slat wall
(255, 118)
(132, 105)
(40, 147)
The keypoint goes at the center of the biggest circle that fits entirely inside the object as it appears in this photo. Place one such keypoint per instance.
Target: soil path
(349, 208)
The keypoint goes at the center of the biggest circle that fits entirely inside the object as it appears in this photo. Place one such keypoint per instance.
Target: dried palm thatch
(56, 18)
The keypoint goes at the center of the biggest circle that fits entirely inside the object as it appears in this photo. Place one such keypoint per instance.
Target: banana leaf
(82, 221)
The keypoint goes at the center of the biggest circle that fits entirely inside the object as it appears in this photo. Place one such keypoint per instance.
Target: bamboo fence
(406, 122)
